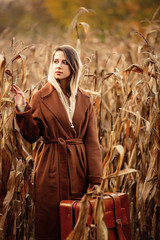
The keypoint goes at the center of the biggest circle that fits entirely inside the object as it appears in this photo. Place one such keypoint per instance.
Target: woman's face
(61, 67)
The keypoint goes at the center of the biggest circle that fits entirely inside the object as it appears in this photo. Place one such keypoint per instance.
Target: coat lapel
(51, 99)
(80, 109)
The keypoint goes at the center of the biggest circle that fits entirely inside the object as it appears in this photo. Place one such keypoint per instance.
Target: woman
(69, 160)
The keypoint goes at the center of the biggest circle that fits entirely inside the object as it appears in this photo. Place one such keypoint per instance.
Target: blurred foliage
(40, 16)
(107, 13)
(28, 18)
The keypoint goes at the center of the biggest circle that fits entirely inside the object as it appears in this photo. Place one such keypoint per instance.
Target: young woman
(69, 159)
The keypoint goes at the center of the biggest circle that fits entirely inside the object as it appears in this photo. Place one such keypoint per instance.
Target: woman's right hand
(19, 96)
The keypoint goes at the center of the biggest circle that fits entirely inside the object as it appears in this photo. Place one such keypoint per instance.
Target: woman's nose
(59, 64)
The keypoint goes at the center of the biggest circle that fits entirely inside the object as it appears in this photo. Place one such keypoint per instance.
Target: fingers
(16, 87)
(16, 90)
(19, 96)
(10, 96)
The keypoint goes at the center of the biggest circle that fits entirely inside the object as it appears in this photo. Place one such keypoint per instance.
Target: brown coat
(69, 158)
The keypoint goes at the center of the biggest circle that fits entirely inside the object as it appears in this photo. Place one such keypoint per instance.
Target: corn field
(122, 76)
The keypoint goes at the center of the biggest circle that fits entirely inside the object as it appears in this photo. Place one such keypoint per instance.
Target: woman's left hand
(19, 96)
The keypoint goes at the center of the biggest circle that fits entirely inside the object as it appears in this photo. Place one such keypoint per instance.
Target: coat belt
(71, 141)
(63, 163)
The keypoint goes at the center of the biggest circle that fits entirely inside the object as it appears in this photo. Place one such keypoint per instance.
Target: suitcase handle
(117, 214)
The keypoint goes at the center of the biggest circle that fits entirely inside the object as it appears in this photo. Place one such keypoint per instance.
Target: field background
(119, 44)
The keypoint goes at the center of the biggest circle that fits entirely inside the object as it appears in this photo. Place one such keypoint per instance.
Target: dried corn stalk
(16, 205)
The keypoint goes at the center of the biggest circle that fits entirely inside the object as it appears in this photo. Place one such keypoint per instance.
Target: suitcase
(116, 217)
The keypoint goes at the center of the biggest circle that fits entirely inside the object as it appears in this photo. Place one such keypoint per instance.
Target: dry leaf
(80, 231)
(2, 68)
(23, 58)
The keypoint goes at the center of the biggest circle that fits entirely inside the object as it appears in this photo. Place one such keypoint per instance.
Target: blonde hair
(75, 65)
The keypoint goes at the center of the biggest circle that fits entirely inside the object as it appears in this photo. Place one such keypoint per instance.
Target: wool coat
(67, 160)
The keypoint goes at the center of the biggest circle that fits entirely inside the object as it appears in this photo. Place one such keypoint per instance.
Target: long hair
(75, 65)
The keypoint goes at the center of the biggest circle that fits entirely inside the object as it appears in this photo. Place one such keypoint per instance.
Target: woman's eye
(65, 62)
(55, 61)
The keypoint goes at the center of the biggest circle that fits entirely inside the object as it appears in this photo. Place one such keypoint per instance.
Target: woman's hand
(19, 96)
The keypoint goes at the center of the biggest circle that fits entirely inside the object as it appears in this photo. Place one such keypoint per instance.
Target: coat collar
(47, 90)
(52, 101)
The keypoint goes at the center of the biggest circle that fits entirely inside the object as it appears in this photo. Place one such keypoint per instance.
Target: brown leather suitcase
(117, 215)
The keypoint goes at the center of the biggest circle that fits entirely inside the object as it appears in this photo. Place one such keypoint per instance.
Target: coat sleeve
(29, 121)
(93, 151)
